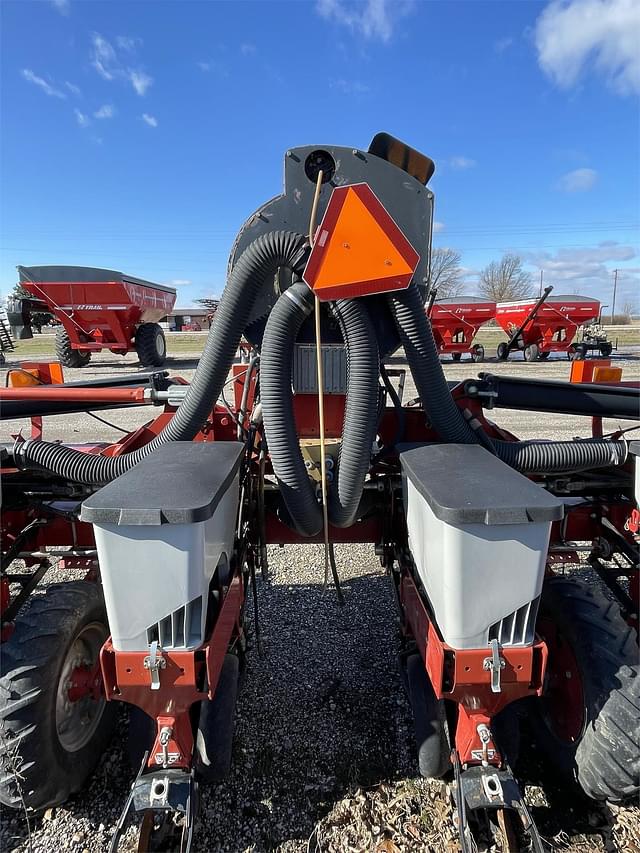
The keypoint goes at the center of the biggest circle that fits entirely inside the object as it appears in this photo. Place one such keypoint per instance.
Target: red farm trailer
(548, 324)
(455, 322)
(102, 309)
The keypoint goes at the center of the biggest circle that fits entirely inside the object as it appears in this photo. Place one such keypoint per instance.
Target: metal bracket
(154, 662)
(494, 664)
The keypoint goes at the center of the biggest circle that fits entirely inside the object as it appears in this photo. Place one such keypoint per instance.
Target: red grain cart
(102, 309)
(455, 322)
(542, 326)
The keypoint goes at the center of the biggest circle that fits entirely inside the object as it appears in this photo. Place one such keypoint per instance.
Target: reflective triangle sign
(359, 250)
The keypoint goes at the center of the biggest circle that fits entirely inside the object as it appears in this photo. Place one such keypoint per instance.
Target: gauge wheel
(587, 721)
(54, 726)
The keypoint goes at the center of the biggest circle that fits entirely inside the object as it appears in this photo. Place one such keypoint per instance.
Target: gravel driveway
(324, 752)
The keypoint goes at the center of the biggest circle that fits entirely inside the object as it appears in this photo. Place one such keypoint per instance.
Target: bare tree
(629, 308)
(503, 280)
(446, 272)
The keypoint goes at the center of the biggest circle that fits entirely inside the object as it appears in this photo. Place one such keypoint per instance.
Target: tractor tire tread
(607, 756)
(28, 684)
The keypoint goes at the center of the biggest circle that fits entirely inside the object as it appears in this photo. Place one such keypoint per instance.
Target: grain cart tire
(588, 719)
(503, 351)
(429, 720)
(477, 353)
(214, 737)
(531, 352)
(456, 356)
(51, 742)
(151, 345)
(606, 349)
(544, 355)
(65, 353)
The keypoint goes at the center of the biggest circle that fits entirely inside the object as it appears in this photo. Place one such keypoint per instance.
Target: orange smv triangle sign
(359, 250)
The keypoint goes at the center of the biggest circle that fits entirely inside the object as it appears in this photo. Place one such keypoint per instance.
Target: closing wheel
(151, 345)
(588, 719)
(54, 722)
(214, 737)
(477, 353)
(66, 354)
(503, 351)
(531, 352)
(430, 721)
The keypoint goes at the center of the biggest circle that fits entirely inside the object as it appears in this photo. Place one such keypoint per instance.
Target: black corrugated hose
(257, 264)
(542, 457)
(360, 421)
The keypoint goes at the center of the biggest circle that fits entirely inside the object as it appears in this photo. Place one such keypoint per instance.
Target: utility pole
(613, 305)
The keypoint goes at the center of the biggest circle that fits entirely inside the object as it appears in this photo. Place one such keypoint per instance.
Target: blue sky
(140, 135)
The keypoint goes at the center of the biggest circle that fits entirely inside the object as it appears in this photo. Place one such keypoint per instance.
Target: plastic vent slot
(180, 629)
(518, 628)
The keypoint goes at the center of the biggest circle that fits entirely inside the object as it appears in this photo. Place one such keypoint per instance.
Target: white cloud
(373, 19)
(82, 119)
(246, 48)
(140, 81)
(75, 90)
(578, 181)
(573, 36)
(349, 87)
(106, 62)
(105, 111)
(204, 66)
(503, 44)
(62, 6)
(104, 58)
(588, 270)
(460, 163)
(180, 282)
(152, 121)
(437, 227)
(46, 87)
(129, 43)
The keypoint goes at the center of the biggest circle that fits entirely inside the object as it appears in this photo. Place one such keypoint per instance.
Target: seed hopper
(101, 309)
(455, 322)
(171, 525)
(548, 324)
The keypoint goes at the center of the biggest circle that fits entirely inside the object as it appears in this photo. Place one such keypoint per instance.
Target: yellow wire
(320, 372)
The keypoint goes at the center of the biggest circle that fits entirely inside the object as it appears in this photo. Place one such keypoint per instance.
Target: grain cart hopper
(455, 322)
(548, 324)
(102, 309)
(472, 525)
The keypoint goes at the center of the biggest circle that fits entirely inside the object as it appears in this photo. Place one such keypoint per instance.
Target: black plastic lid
(181, 482)
(465, 484)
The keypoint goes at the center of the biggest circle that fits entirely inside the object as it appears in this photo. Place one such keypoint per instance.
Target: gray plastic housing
(478, 534)
(162, 530)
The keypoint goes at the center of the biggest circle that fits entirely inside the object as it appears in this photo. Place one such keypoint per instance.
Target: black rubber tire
(606, 349)
(140, 736)
(456, 356)
(214, 736)
(581, 352)
(477, 353)
(531, 352)
(429, 720)
(65, 353)
(544, 355)
(605, 759)
(32, 664)
(151, 345)
(503, 351)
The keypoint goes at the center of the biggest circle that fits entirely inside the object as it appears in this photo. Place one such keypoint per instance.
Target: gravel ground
(324, 752)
